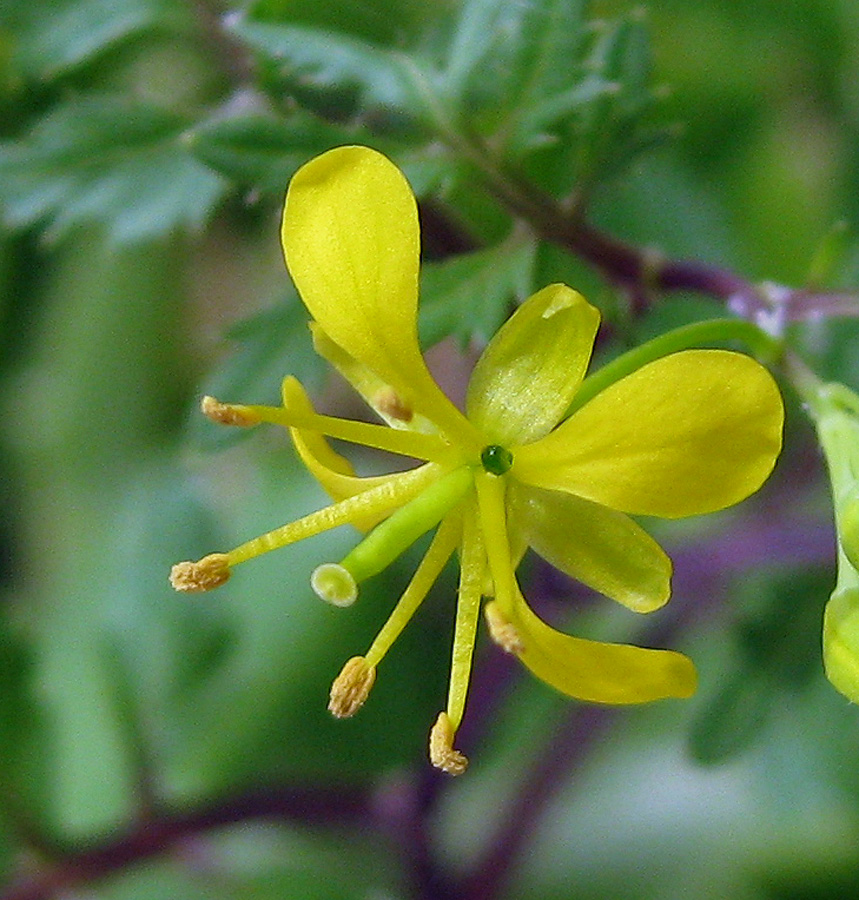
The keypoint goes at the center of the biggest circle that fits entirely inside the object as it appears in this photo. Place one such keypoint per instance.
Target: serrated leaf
(611, 128)
(329, 61)
(532, 123)
(518, 59)
(553, 40)
(262, 151)
(480, 24)
(382, 21)
(471, 295)
(592, 132)
(106, 160)
(78, 31)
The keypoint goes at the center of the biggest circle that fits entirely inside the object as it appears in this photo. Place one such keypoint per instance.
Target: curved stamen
(430, 447)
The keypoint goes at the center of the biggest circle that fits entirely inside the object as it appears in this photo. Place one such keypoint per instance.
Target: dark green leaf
(77, 31)
(776, 647)
(733, 719)
(554, 36)
(106, 160)
(382, 21)
(480, 26)
(262, 151)
(309, 58)
(610, 129)
(519, 62)
(24, 733)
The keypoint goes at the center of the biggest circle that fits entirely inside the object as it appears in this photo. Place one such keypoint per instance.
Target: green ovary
(496, 460)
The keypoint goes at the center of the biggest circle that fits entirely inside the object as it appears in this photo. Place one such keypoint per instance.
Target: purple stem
(168, 830)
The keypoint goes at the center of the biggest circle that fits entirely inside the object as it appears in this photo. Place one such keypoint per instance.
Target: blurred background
(154, 745)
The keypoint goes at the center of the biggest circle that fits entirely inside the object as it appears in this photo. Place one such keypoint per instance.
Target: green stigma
(496, 460)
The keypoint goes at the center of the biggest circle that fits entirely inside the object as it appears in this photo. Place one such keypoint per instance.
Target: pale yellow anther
(391, 404)
(193, 577)
(351, 687)
(501, 631)
(226, 414)
(441, 752)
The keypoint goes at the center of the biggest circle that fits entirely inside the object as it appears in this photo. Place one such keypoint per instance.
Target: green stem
(689, 336)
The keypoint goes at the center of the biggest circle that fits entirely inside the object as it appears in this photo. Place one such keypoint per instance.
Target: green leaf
(733, 719)
(24, 733)
(309, 58)
(106, 160)
(585, 134)
(519, 65)
(530, 125)
(611, 128)
(776, 651)
(382, 21)
(477, 31)
(78, 31)
(554, 36)
(471, 295)
(262, 151)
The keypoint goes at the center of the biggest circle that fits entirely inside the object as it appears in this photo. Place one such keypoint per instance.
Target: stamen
(351, 687)
(439, 552)
(501, 631)
(227, 413)
(194, 577)
(390, 403)
(402, 441)
(441, 752)
(493, 519)
(393, 492)
(472, 564)
(334, 584)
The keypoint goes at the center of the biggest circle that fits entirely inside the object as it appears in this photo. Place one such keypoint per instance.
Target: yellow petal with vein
(601, 547)
(690, 433)
(527, 376)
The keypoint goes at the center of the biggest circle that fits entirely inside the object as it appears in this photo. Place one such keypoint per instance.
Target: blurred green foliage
(146, 145)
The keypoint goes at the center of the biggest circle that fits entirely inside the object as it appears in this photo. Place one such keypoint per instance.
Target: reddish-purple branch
(168, 830)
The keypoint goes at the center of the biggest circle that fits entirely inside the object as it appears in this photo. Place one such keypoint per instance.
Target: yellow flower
(689, 433)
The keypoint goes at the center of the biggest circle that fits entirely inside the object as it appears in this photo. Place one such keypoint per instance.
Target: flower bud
(848, 526)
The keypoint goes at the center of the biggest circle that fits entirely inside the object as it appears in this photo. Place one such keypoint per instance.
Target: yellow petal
(333, 471)
(351, 242)
(690, 433)
(527, 376)
(587, 670)
(598, 546)
(595, 671)
(379, 395)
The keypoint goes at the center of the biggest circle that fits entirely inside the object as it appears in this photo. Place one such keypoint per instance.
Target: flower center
(496, 460)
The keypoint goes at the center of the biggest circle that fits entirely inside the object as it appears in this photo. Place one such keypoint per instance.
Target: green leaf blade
(110, 161)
